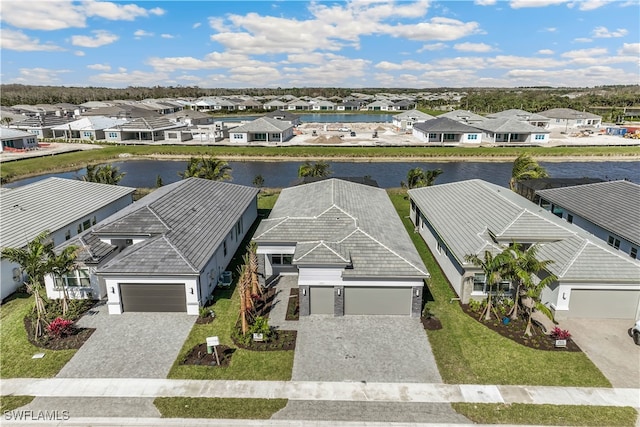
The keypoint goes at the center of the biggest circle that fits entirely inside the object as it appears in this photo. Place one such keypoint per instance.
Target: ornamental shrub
(60, 327)
(560, 334)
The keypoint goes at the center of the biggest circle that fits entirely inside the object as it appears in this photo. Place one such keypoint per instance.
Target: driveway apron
(129, 345)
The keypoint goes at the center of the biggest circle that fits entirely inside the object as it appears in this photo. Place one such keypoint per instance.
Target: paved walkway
(283, 285)
(319, 391)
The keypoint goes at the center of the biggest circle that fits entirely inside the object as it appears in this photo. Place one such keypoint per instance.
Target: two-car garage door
(153, 297)
(604, 304)
(362, 300)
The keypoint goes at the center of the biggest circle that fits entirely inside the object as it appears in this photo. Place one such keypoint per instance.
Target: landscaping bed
(199, 356)
(431, 323)
(72, 341)
(293, 306)
(514, 330)
(278, 341)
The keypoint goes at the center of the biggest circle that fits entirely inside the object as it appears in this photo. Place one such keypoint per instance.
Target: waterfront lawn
(220, 408)
(16, 350)
(551, 415)
(467, 352)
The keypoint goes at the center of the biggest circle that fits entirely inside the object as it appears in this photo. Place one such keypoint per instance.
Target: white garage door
(376, 300)
(604, 304)
(321, 300)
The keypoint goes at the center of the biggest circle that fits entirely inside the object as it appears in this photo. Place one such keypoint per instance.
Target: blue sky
(369, 43)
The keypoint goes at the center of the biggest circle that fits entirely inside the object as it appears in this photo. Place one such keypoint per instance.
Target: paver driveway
(129, 345)
(363, 348)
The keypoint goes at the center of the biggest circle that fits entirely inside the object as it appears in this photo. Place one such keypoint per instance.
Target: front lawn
(469, 353)
(225, 408)
(9, 403)
(16, 351)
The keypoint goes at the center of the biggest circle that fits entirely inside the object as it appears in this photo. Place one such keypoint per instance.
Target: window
(94, 220)
(478, 282)
(570, 218)
(449, 136)
(633, 253)
(67, 235)
(281, 259)
(86, 224)
(87, 134)
(74, 278)
(433, 136)
(238, 136)
(480, 285)
(539, 137)
(471, 137)
(260, 136)
(112, 134)
(440, 247)
(239, 228)
(614, 242)
(172, 135)
(274, 136)
(224, 248)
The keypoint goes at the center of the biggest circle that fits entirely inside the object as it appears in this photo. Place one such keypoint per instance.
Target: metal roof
(568, 114)
(91, 123)
(467, 215)
(51, 204)
(518, 114)
(509, 125)
(613, 205)
(333, 220)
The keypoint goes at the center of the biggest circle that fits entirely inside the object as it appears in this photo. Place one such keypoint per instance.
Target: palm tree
(105, 174)
(317, 169)
(525, 167)
(6, 121)
(60, 265)
(207, 168)
(417, 178)
(493, 269)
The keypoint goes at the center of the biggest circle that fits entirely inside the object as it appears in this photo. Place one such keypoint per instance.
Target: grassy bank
(76, 160)
(224, 408)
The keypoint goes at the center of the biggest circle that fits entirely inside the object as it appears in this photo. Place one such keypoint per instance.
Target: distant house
(263, 129)
(444, 131)
(405, 121)
(528, 188)
(509, 131)
(13, 139)
(609, 210)
(323, 105)
(42, 126)
(568, 118)
(166, 251)
(463, 116)
(285, 116)
(471, 217)
(122, 111)
(191, 117)
(348, 248)
(521, 115)
(298, 104)
(87, 128)
(141, 129)
(349, 106)
(403, 105)
(275, 104)
(380, 105)
(64, 207)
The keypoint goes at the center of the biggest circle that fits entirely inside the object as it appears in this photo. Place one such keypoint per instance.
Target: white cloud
(582, 40)
(79, 53)
(142, 33)
(217, 23)
(512, 61)
(437, 28)
(167, 36)
(432, 46)
(473, 47)
(17, 40)
(585, 53)
(99, 67)
(61, 14)
(604, 33)
(122, 70)
(133, 78)
(404, 65)
(550, 29)
(485, 2)
(585, 5)
(196, 25)
(38, 76)
(546, 52)
(517, 4)
(101, 38)
(571, 77)
(630, 49)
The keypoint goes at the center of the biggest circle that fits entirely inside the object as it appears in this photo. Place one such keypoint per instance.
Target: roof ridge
(322, 242)
(390, 250)
(584, 244)
(283, 219)
(158, 217)
(179, 253)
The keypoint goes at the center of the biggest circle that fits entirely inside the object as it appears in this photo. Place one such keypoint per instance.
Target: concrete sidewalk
(334, 391)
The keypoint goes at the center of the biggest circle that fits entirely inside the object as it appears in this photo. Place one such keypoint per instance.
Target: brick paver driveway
(129, 345)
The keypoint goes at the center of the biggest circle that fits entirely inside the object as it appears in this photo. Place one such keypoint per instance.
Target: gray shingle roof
(508, 125)
(263, 124)
(443, 124)
(413, 115)
(462, 213)
(333, 220)
(518, 114)
(187, 222)
(148, 124)
(614, 205)
(51, 204)
(567, 113)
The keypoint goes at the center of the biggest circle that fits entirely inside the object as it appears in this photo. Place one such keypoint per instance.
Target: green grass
(16, 350)
(77, 160)
(9, 403)
(565, 415)
(469, 353)
(225, 408)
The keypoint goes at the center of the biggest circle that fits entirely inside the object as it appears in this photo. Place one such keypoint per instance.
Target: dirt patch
(65, 342)
(514, 330)
(431, 323)
(204, 320)
(278, 341)
(200, 356)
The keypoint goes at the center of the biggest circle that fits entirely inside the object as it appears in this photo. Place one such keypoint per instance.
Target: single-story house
(323, 105)
(609, 210)
(404, 105)
(509, 131)
(143, 129)
(567, 118)
(191, 117)
(122, 111)
(463, 116)
(521, 115)
(379, 105)
(166, 251)
(471, 217)
(348, 247)
(40, 125)
(64, 207)
(348, 106)
(263, 129)
(405, 121)
(298, 104)
(445, 131)
(275, 104)
(14, 139)
(88, 128)
(285, 116)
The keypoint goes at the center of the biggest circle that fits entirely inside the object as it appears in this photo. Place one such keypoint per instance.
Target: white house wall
(114, 301)
(76, 292)
(9, 285)
(267, 250)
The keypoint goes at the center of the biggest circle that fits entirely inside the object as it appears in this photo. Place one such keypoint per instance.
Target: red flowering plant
(60, 327)
(560, 334)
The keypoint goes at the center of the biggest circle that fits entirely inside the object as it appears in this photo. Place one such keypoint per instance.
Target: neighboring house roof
(147, 124)
(463, 116)
(263, 124)
(340, 222)
(568, 114)
(468, 215)
(357, 179)
(415, 115)
(443, 124)
(282, 115)
(122, 110)
(51, 204)
(508, 125)
(518, 114)
(6, 133)
(188, 114)
(91, 123)
(185, 223)
(613, 205)
(39, 122)
(546, 183)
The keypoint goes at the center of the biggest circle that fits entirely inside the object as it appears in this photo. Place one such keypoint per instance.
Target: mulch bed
(293, 306)
(279, 341)
(263, 304)
(431, 323)
(199, 356)
(514, 330)
(68, 342)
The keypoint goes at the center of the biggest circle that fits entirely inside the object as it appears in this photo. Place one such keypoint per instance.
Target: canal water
(278, 174)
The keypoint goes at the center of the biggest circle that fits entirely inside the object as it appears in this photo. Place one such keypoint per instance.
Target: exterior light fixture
(338, 291)
(417, 292)
(191, 291)
(304, 291)
(113, 290)
(564, 295)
